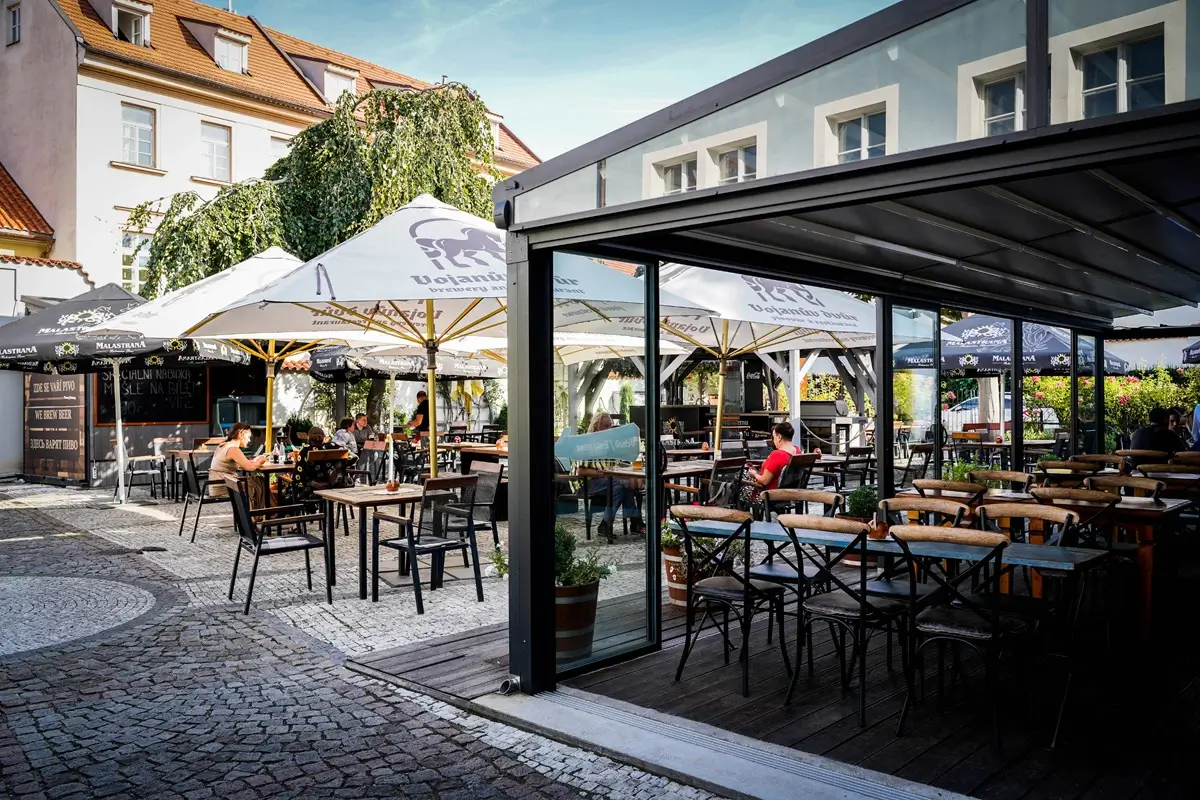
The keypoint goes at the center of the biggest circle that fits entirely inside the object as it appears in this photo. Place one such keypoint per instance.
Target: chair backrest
(1125, 485)
(489, 474)
(706, 555)
(1157, 456)
(243, 520)
(1190, 457)
(1046, 494)
(1146, 468)
(975, 490)
(796, 473)
(832, 502)
(1103, 459)
(453, 490)
(958, 437)
(828, 560)
(951, 585)
(732, 448)
(191, 481)
(929, 510)
(860, 451)
(725, 482)
(1017, 481)
(1054, 525)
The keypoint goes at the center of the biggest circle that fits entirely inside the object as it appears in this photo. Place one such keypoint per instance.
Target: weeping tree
(375, 153)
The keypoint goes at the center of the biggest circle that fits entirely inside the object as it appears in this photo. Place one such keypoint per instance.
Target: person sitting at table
(768, 477)
(1156, 436)
(623, 494)
(419, 424)
(229, 458)
(362, 429)
(312, 476)
(344, 437)
(1177, 421)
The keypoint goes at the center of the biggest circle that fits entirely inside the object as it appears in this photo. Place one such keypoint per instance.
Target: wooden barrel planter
(574, 620)
(676, 578)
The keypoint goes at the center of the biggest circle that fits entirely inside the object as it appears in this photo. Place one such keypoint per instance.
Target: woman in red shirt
(781, 437)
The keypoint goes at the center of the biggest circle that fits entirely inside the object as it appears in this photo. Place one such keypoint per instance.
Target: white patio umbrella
(569, 347)
(752, 314)
(426, 275)
(173, 314)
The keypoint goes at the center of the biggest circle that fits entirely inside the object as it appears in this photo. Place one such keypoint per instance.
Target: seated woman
(344, 437)
(229, 458)
(313, 476)
(623, 494)
(772, 468)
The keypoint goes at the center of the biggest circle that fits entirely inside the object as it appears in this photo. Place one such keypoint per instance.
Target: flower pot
(676, 576)
(574, 620)
(851, 561)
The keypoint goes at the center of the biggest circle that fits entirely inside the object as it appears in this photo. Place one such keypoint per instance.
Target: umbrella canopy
(569, 347)
(426, 274)
(53, 340)
(982, 344)
(339, 363)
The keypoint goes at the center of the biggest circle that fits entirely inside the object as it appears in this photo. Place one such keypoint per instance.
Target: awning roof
(1077, 223)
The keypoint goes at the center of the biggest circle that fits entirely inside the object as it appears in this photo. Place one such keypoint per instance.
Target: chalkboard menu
(55, 427)
(154, 396)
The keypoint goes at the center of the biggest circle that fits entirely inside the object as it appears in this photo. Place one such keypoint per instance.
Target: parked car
(967, 412)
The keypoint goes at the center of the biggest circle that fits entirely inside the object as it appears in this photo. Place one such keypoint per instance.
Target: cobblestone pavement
(150, 683)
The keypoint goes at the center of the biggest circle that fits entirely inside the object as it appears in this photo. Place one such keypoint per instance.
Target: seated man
(1156, 436)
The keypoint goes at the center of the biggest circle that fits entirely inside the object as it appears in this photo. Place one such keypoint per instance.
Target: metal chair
(490, 473)
(729, 588)
(195, 489)
(1016, 481)
(252, 537)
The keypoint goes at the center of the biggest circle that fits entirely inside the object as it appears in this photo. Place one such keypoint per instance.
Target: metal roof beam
(908, 212)
(832, 232)
(1112, 240)
(1146, 200)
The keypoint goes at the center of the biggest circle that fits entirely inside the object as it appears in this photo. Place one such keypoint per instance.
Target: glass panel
(1085, 420)
(915, 392)
(924, 69)
(600, 403)
(727, 162)
(1001, 126)
(1000, 98)
(750, 162)
(1147, 94)
(876, 129)
(672, 179)
(1100, 69)
(141, 116)
(850, 135)
(1100, 104)
(1145, 58)
(689, 175)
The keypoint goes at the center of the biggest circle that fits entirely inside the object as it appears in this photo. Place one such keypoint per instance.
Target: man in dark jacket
(1157, 436)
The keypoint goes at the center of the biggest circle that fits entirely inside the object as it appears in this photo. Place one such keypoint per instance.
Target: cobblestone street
(129, 674)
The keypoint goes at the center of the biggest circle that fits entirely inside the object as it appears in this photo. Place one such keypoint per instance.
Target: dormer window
(131, 27)
(231, 52)
(338, 80)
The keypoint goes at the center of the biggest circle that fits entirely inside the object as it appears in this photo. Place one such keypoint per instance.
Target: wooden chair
(846, 607)
(1126, 485)
(1034, 524)
(1110, 460)
(924, 510)
(975, 490)
(1104, 501)
(959, 451)
(1188, 457)
(1074, 475)
(252, 536)
(729, 588)
(1016, 481)
(1155, 456)
(1146, 468)
(911, 470)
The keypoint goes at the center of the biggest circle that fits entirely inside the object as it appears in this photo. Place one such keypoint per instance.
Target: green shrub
(863, 502)
(502, 417)
(573, 570)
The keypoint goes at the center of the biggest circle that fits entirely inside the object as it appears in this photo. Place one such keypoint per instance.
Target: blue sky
(563, 72)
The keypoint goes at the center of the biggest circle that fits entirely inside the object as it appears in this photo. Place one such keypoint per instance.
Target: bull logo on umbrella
(452, 244)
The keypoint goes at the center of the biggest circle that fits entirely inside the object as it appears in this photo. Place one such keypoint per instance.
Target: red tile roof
(17, 211)
(513, 151)
(47, 262)
(367, 71)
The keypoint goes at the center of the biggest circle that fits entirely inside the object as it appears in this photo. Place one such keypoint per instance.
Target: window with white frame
(280, 147)
(215, 141)
(737, 164)
(1004, 105)
(679, 177)
(137, 135)
(231, 55)
(14, 24)
(132, 27)
(336, 83)
(135, 260)
(862, 137)
(1123, 77)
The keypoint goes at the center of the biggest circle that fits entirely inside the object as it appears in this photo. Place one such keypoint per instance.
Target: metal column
(885, 431)
(1018, 395)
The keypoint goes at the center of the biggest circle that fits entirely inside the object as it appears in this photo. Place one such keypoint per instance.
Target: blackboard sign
(754, 384)
(154, 396)
(55, 427)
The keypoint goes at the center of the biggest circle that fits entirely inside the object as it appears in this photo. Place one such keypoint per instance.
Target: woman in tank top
(229, 458)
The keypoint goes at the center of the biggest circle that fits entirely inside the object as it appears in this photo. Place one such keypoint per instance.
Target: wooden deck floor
(1131, 731)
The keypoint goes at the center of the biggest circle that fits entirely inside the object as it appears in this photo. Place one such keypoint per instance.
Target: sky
(563, 72)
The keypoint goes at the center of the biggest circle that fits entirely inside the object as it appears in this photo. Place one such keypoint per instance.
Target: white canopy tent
(426, 275)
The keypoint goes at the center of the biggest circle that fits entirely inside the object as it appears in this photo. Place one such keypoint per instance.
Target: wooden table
(362, 498)
(178, 454)
(689, 453)
(1140, 515)
(258, 482)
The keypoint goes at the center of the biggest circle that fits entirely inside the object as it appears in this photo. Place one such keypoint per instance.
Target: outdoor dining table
(175, 456)
(1142, 516)
(361, 498)
(1073, 562)
(695, 452)
(258, 482)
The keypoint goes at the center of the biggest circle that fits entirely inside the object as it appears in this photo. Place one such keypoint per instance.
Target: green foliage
(500, 562)
(375, 153)
(1128, 399)
(502, 417)
(492, 394)
(322, 399)
(584, 423)
(573, 570)
(863, 502)
(298, 424)
(959, 471)
(626, 400)
(667, 539)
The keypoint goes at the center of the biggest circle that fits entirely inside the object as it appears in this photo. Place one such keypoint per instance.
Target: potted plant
(298, 428)
(862, 503)
(576, 590)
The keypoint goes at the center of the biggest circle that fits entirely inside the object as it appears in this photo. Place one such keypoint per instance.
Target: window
(602, 183)
(14, 23)
(280, 147)
(137, 135)
(336, 83)
(231, 55)
(862, 137)
(679, 178)
(1126, 77)
(135, 258)
(737, 164)
(215, 139)
(131, 27)
(1004, 105)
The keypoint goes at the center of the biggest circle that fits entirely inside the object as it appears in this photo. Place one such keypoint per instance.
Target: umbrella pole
(431, 378)
(271, 361)
(391, 426)
(116, 367)
(722, 370)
